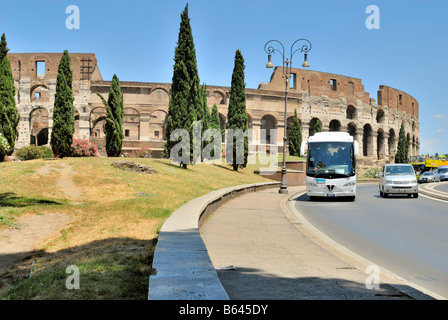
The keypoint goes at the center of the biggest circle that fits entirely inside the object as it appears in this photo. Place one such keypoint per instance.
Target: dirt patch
(133, 167)
(15, 244)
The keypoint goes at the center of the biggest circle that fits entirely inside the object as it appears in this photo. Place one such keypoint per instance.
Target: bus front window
(330, 158)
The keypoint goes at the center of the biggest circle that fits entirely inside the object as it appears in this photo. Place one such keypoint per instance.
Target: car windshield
(399, 171)
(443, 170)
(428, 173)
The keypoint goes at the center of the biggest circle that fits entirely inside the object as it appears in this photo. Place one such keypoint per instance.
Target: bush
(83, 148)
(371, 173)
(30, 152)
(142, 153)
(48, 153)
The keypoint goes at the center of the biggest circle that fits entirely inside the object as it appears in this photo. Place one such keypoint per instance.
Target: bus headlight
(350, 184)
(311, 183)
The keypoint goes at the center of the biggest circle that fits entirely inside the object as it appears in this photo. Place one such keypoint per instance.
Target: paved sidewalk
(274, 256)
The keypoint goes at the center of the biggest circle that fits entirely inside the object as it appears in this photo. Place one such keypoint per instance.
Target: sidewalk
(261, 251)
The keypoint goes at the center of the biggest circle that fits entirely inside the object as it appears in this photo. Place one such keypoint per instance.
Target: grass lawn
(114, 224)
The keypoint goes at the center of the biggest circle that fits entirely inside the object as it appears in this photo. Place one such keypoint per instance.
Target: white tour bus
(330, 165)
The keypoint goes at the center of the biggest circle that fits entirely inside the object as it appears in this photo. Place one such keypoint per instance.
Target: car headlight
(414, 181)
(388, 181)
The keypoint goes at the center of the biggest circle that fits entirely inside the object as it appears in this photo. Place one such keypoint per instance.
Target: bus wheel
(313, 198)
(352, 198)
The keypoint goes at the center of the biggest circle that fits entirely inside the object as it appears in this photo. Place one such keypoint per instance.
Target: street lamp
(287, 62)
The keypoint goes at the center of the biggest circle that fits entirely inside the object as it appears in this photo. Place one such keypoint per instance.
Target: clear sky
(136, 41)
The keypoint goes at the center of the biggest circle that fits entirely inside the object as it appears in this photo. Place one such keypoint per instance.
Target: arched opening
(315, 125)
(367, 143)
(380, 144)
(351, 129)
(269, 125)
(157, 125)
(351, 112)
(39, 127)
(335, 125)
(131, 124)
(391, 142)
(380, 116)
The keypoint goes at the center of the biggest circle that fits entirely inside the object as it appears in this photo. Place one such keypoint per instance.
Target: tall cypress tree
(401, 156)
(9, 116)
(317, 126)
(186, 97)
(63, 112)
(237, 119)
(215, 124)
(295, 136)
(113, 128)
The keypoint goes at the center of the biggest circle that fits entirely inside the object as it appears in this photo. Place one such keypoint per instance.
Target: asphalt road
(404, 235)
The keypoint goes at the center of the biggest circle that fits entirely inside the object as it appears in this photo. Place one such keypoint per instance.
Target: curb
(428, 190)
(182, 269)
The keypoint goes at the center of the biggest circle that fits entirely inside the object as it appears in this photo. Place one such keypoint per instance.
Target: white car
(430, 176)
(398, 178)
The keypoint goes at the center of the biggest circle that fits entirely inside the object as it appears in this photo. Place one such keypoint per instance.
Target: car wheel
(415, 195)
(385, 195)
(381, 193)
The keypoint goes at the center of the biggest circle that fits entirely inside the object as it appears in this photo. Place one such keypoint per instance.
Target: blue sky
(136, 41)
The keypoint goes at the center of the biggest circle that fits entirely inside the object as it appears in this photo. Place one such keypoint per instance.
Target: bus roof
(331, 136)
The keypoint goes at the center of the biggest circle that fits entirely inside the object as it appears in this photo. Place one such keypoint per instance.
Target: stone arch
(380, 116)
(131, 124)
(380, 149)
(351, 129)
(157, 124)
(97, 120)
(217, 97)
(335, 125)
(391, 142)
(367, 141)
(313, 123)
(269, 125)
(39, 127)
(159, 95)
(351, 112)
(39, 93)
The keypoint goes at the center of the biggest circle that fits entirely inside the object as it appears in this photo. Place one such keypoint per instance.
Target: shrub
(83, 148)
(142, 153)
(30, 152)
(371, 173)
(48, 153)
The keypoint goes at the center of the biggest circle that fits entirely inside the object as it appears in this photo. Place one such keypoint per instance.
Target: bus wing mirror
(303, 147)
(355, 147)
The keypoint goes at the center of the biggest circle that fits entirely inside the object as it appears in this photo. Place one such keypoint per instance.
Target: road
(404, 235)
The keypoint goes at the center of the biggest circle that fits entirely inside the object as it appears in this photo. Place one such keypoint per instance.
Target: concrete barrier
(182, 269)
(427, 189)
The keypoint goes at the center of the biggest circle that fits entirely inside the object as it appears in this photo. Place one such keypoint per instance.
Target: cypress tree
(237, 119)
(186, 100)
(295, 136)
(317, 126)
(9, 116)
(113, 128)
(401, 156)
(215, 124)
(63, 112)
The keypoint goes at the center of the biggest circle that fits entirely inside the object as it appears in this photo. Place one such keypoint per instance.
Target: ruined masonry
(339, 102)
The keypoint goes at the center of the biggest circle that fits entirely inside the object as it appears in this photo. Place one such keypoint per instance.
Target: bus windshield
(330, 159)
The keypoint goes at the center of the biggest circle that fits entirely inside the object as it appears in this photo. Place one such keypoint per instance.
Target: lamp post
(287, 62)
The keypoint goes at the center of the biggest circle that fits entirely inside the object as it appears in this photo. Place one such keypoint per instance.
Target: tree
(215, 124)
(186, 100)
(295, 136)
(317, 126)
(401, 156)
(63, 112)
(113, 128)
(237, 119)
(9, 116)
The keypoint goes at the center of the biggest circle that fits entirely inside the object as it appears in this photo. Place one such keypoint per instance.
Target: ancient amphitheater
(339, 102)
